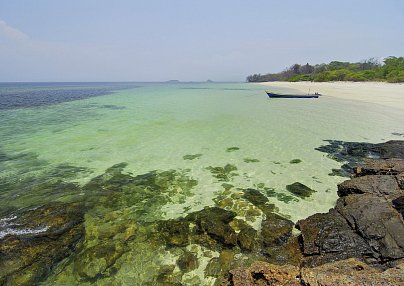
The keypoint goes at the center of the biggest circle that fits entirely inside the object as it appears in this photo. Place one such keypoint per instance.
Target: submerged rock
(259, 200)
(35, 240)
(223, 174)
(250, 160)
(187, 262)
(300, 190)
(175, 232)
(214, 222)
(191, 156)
(232, 149)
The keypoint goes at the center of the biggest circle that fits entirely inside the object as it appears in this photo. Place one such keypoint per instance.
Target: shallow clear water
(153, 126)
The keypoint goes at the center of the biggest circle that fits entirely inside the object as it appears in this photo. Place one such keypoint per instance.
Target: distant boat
(279, 95)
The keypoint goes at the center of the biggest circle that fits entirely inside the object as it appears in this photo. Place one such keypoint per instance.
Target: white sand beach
(387, 94)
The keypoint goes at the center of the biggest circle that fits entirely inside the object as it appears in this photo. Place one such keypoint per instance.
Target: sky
(159, 40)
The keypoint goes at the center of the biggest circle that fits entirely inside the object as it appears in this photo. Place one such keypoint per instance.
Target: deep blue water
(22, 95)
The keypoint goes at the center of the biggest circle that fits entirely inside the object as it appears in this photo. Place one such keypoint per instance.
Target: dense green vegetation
(391, 70)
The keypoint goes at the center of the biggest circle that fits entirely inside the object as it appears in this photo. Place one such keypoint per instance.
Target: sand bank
(387, 94)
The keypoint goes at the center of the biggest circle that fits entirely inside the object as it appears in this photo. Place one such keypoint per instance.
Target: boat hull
(275, 95)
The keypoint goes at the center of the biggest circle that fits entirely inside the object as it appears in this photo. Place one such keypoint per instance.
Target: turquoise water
(187, 129)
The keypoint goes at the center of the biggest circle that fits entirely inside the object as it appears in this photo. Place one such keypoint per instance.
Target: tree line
(391, 70)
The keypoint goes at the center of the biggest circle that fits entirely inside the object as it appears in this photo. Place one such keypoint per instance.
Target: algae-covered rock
(187, 262)
(276, 230)
(247, 238)
(300, 190)
(175, 232)
(223, 174)
(251, 160)
(33, 241)
(191, 156)
(95, 261)
(259, 200)
(232, 149)
(214, 221)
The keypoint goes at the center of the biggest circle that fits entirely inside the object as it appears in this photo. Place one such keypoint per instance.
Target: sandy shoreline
(387, 94)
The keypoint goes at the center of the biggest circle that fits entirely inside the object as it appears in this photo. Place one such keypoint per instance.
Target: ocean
(191, 145)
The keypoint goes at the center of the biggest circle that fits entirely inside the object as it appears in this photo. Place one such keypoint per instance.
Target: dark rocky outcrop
(358, 242)
(34, 240)
(365, 223)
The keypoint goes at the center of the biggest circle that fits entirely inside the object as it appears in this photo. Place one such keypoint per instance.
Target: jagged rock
(328, 237)
(379, 185)
(262, 273)
(352, 272)
(398, 204)
(380, 167)
(376, 221)
(34, 241)
(300, 190)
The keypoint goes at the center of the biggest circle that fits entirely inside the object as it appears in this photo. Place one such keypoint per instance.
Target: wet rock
(328, 237)
(187, 262)
(214, 221)
(35, 240)
(276, 230)
(175, 232)
(262, 273)
(376, 221)
(287, 253)
(300, 190)
(379, 185)
(247, 238)
(352, 272)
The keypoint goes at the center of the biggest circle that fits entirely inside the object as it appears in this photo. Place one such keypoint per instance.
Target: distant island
(391, 70)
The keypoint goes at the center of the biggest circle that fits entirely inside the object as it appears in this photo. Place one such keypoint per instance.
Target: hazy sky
(223, 40)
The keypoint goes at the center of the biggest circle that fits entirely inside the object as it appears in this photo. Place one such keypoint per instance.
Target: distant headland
(391, 70)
